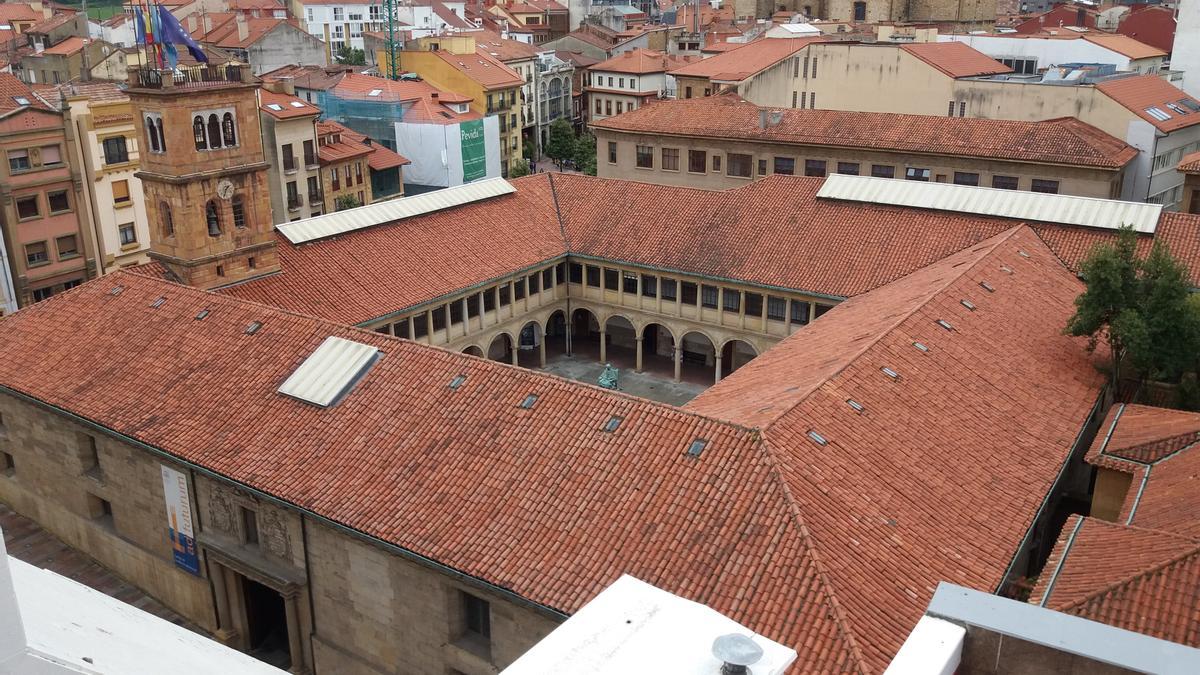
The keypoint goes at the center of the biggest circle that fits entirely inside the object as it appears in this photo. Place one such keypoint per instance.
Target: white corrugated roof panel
(341, 222)
(1016, 204)
(330, 371)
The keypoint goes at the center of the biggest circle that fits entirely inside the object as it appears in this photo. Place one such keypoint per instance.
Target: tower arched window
(198, 132)
(227, 130)
(239, 212)
(168, 223)
(152, 134)
(162, 140)
(214, 131)
(213, 218)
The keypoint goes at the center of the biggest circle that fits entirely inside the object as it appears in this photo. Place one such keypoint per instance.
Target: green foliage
(344, 202)
(585, 154)
(1141, 308)
(519, 168)
(347, 55)
(561, 144)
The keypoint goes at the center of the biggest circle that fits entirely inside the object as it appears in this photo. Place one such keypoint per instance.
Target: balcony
(314, 198)
(289, 163)
(294, 203)
(189, 77)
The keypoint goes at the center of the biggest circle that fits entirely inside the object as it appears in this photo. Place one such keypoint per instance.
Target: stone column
(742, 312)
(429, 326)
(512, 299)
(720, 306)
(603, 344)
(448, 324)
(678, 356)
(766, 299)
(513, 352)
(637, 302)
(542, 351)
(293, 629)
(479, 299)
(717, 361)
(411, 328)
(638, 342)
(224, 620)
(787, 316)
(466, 318)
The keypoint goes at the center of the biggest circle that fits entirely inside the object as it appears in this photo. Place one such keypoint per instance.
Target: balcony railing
(289, 162)
(188, 76)
(294, 202)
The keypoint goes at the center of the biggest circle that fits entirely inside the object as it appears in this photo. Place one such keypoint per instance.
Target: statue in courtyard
(608, 379)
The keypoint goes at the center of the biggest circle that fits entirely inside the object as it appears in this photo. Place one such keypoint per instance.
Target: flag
(139, 25)
(170, 33)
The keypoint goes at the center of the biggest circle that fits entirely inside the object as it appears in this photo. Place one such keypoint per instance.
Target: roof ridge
(1137, 576)
(868, 344)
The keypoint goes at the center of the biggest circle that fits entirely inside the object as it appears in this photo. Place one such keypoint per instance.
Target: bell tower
(203, 173)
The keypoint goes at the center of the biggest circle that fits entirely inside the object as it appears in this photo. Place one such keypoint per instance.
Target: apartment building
(107, 154)
(290, 146)
(342, 24)
(767, 63)
(722, 142)
(454, 63)
(629, 81)
(1189, 166)
(46, 230)
(265, 43)
(345, 168)
(546, 94)
(1031, 54)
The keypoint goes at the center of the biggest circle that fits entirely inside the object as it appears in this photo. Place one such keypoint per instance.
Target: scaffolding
(374, 117)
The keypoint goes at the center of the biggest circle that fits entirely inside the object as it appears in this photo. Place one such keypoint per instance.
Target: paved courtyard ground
(646, 385)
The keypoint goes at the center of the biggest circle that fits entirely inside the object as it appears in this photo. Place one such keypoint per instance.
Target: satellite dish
(737, 653)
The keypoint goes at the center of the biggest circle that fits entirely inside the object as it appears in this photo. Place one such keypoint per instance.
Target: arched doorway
(658, 350)
(501, 349)
(620, 343)
(556, 334)
(696, 359)
(585, 334)
(473, 351)
(734, 355)
(531, 346)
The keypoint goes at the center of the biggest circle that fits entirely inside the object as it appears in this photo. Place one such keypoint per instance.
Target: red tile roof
(12, 88)
(502, 48)
(753, 58)
(18, 11)
(1190, 163)
(310, 77)
(826, 556)
(1065, 140)
(956, 59)
(486, 70)
(342, 149)
(381, 157)
(1124, 45)
(290, 107)
(1151, 24)
(641, 62)
(47, 25)
(66, 46)
(1141, 92)
(591, 38)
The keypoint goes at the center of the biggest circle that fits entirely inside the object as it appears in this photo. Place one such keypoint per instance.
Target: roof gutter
(1063, 559)
(393, 548)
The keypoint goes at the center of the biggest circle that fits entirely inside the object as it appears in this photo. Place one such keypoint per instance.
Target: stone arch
(697, 357)
(555, 329)
(473, 350)
(531, 345)
(584, 327)
(736, 353)
(657, 341)
(501, 348)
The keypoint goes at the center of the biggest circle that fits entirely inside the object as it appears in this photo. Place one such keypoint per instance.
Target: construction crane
(393, 49)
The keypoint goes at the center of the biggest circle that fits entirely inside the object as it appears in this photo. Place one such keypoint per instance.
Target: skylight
(855, 404)
(330, 372)
(116, 290)
(921, 346)
(1176, 108)
(817, 438)
(968, 304)
(612, 423)
(987, 287)
(1190, 104)
(945, 324)
(253, 327)
(529, 401)
(202, 315)
(159, 302)
(697, 447)
(1158, 114)
(890, 373)
(275, 106)
(21, 100)
(457, 382)
(297, 104)
(374, 92)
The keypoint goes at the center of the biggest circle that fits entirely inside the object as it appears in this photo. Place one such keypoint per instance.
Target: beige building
(290, 145)
(723, 142)
(628, 81)
(106, 152)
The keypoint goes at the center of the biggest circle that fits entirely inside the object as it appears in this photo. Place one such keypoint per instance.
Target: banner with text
(179, 520)
(474, 154)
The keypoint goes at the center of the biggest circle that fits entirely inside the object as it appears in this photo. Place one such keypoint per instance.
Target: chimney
(762, 118)
(736, 653)
(433, 95)
(243, 29)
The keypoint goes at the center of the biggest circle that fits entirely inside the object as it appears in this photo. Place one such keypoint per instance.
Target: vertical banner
(179, 520)
(474, 155)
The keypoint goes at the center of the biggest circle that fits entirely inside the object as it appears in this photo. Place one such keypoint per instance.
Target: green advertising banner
(474, 154)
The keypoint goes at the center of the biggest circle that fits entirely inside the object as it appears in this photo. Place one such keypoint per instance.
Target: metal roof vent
(945, 324)
(968, 304)
(890, 373)
(1022, 253)
(202, 315)
(858, 407)
(330, 372)
(987, 287)
(1006, 269)
(612, 423)
(529, 401)
(697, 447)
(159, 302)
(253, 328)
(817, 438)
(736, 653)
(457, 382)
(921, 346)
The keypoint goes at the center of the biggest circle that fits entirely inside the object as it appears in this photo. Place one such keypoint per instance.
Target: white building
(340, 23)
(1030, 53)
(8, 294)
(51, 625)
(1185, 55)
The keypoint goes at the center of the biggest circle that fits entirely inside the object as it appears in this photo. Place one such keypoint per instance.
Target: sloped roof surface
(289, 106)
(1124, 45)
(738, 64)
(488, 71)
(640, 62)
(1064, 140)
(956, 59)
(1141, 92)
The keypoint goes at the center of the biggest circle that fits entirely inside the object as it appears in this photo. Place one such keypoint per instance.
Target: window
(697, 161)
(576, 273)
(593, 276)
(335, 178)
(128, 234)
(612, 152)
(814, 167)
(645, 157)
(731, 300)
(534, 283)
(668, 290)
(961, 178)
(806, 67)
(754, 304)
(812, 95)
(40, 294)
(249, 525)
(860, 11)
(505, 294)
(115, 150)
(913, 173)
(162, 140)
(793, 99)
(338, 14)
(100, 510)
(7, 465)
(358, 173)
(51, 155)
(629, 283)
(36, 254)
(289, 158)
(608, 108)
(716, 163)
(708, 296)
(799, 313)
(67, 247)
(152, 134)
(820, 310)
(687, 292)
(421, 325)
(519, 289)
(168, 224)
(739, 165)
(314, 190)
(59, 203)
(962, 108)
(310, 155)
(776, 307)
(882, 171)
(950, 110)
(214, 132)
(18, 160)
(212, 218)
(785, 166)
(1047, 186)
(610, 279)
(27, 207)
(649, 285)
(687, 92)
(239, 211)
(848, 168)
(120, 192)
(620, 107)
(1004, 182)
(670, 159)
(762, 167)
(477, 617)
(198, 132)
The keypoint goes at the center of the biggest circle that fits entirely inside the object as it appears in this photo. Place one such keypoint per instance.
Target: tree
(344, 202)
(561, 144)
(1139, 307)
(519, 168)
(347, 55)
(585, 154)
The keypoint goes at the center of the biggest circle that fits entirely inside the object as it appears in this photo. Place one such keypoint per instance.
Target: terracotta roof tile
(18, 11)
(505, 50)
(12, 88)
(487, 71)
(47, 25)
(1065, 140)
(285, 106)
(309, 77)
(641, 62)
(1146, 434)
(738, 64)
(1142, 92)
(956, 59)
(1124, 45)
(66, 46)
(1190, 163)
(340, 150)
